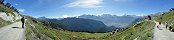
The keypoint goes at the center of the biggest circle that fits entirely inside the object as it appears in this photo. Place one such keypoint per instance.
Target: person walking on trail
(170, 28)
(23, 21)
(160, 23)
(166, 24)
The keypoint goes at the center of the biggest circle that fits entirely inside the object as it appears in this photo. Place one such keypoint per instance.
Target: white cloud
(65, 16)
(16, 4)
(21, 10)
(85, 3)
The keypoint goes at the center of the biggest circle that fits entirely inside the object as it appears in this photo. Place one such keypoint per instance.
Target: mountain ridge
(113, 20)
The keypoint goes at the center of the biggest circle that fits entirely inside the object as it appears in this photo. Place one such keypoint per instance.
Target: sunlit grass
(142, 31)
(6, 10)
(4, 23)
(167, 17)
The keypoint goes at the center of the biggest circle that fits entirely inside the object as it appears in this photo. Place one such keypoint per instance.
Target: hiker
(170, 27)
(150, 18)
(157, 26)
(23, 21)
(159, 23)
(166, 24)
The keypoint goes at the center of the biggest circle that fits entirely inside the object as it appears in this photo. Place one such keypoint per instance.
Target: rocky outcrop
(9, 16)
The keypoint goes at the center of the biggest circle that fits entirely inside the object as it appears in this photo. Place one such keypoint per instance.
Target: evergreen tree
(8, 5)
(1, 1)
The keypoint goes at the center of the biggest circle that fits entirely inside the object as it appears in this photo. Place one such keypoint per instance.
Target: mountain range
(113, 20)
(92, 23)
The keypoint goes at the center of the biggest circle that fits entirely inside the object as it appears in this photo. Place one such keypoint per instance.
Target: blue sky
(68, 8)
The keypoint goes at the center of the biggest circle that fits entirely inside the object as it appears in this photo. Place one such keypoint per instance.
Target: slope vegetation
(8, 14)
(45, 30)
(142, 31)
(80, 24)
(36, 30)
(4, 23)
(166, 17)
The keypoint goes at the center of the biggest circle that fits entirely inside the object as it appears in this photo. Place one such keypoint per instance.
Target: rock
(9, 16)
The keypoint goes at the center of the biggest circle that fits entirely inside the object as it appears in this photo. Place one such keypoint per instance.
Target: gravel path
(163, 34)
(12, 32)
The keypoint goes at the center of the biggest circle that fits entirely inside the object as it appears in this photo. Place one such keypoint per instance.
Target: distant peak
(42, 17)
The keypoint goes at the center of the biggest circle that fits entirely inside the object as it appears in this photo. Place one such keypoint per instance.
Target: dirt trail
(163, 34)
(12, 32)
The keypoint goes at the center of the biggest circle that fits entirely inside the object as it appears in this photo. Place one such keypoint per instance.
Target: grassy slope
(59, 34)
(3, 22)
(7, 10)
(142, 30)
(167, 17)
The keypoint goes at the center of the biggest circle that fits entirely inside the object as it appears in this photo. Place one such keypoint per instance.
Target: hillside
(112, 22)
(83, 25)
(142, 30)
(40, 31)
(78, 24)
(3, 22)
(8, 15)
(9, 23)
(166, 17)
